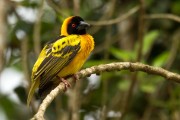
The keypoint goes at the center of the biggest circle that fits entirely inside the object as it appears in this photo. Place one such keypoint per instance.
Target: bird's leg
(66, 83)
(75, 76)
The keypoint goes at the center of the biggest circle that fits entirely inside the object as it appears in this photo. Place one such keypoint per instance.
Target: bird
(61, 57)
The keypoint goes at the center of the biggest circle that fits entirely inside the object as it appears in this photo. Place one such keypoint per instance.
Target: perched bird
(62, 57)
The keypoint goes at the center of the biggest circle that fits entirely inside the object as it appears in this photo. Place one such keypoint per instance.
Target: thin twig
(3, 32)
(37, 30)
(24, 57)
(76, 5)
(116, 20)
(25, 65)
(163, 16)
(56, 8)
(104, 16)
(75, 101)
(107, 44)
(173, 50)
(134, 77)
(100, 48)
(141, 29)
(103, 68)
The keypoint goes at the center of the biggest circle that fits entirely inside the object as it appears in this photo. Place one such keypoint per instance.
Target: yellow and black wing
(59, 56)
(45, 51)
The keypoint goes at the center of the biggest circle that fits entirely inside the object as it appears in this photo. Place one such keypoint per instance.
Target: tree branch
(57, 8)
(163, 16)
(116, 20)
(118, 66)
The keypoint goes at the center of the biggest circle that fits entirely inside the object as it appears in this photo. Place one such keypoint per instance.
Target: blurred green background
(143, 35)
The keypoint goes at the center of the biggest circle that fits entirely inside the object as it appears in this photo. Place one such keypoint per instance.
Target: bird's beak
(83, 25)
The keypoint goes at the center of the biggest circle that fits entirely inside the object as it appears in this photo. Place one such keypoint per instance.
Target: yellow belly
(87, 45)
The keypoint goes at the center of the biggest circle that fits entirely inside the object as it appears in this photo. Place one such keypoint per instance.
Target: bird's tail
(34, 85)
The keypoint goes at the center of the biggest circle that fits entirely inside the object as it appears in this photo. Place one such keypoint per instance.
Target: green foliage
(176, 7)
(5, 103)
(149, 88)
(150, 91)
(122, 54)
(90, 63)
(124, 85)
(13, 110)
(149, 83)
(160, 60)
(148, 41)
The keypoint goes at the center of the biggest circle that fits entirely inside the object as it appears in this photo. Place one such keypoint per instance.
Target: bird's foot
(75, 76)
(66, 83)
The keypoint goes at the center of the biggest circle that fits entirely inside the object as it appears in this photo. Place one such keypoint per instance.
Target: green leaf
(90, 63)
(161, 59)
(124, 85)
(148, 88)
(176, 7)
(149, 39)
(122, 54)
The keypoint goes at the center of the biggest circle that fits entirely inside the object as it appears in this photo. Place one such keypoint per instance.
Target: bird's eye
(73, 25)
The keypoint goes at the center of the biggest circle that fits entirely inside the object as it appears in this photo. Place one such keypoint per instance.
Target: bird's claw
(66, 83)
(76, 77)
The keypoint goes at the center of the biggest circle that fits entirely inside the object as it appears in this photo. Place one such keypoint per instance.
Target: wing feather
(61, 54)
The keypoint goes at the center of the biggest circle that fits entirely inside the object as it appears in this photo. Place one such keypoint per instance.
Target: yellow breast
(87, 45)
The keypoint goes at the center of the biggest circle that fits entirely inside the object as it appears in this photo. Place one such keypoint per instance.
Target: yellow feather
(41, 57)
(87, 45)
(34, 85)
(64, 26)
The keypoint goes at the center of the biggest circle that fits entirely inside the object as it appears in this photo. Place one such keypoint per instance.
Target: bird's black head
(76, 25)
